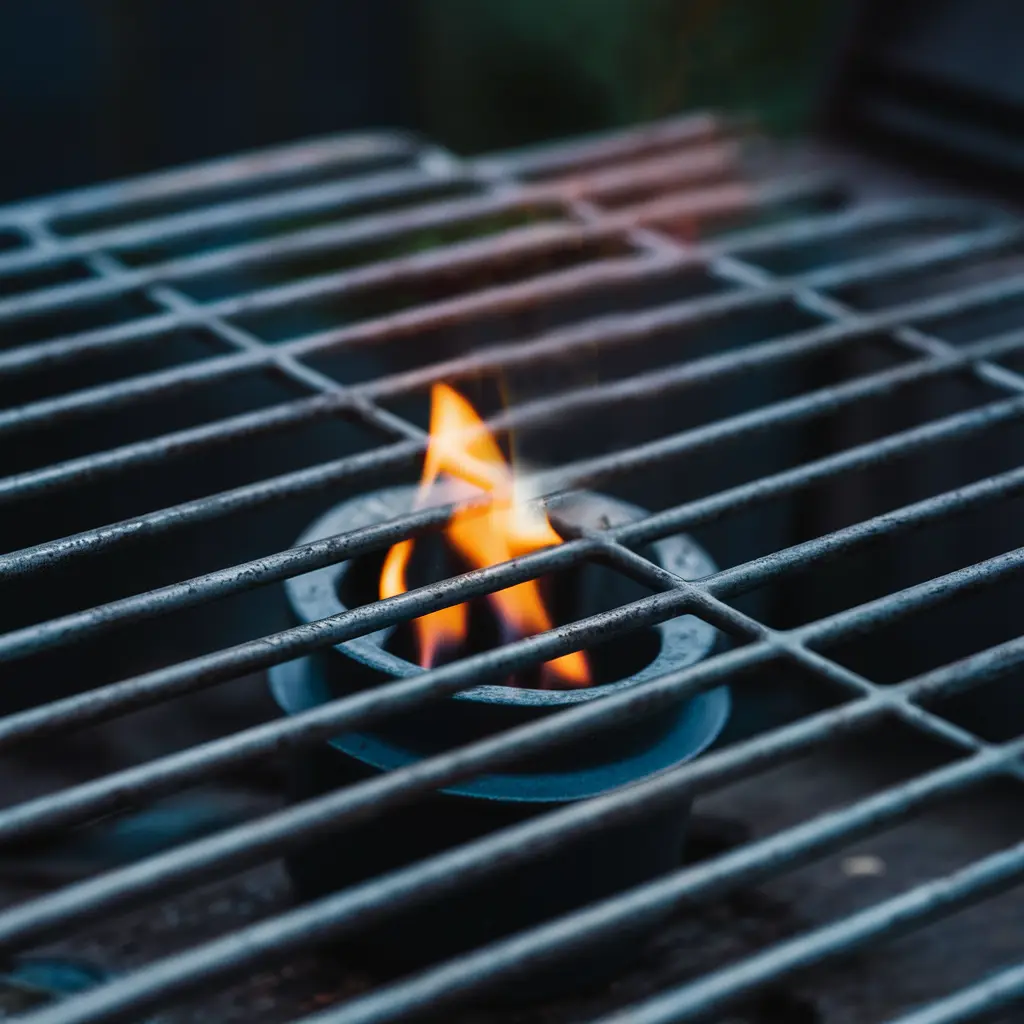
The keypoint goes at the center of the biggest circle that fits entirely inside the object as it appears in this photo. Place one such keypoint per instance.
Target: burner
(597, 866)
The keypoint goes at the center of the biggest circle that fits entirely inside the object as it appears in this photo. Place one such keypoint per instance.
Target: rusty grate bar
(620, 211)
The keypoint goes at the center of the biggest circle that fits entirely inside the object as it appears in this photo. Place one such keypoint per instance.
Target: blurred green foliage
(498, 73)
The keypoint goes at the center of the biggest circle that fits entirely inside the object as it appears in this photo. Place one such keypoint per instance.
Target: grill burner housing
(799, 360)
(572, 877)
(594, 590)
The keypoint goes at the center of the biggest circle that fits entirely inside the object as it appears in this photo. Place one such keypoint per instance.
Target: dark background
(108, 88)
(103, 89)
(96, 90)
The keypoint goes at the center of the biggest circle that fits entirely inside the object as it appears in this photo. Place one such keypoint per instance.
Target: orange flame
(461, 447)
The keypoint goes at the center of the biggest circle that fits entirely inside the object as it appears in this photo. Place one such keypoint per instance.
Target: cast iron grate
(152, 330)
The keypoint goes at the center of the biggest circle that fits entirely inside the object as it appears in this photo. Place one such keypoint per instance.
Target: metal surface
(549, 231)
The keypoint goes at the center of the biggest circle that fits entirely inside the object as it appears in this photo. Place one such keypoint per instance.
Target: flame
(461, 447)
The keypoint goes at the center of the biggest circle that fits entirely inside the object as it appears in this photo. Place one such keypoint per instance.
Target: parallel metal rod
(116, 698)
(691, 130)
(957, 215)
(912, 338)
(884, 611)
(537, 240)
(240, 169)
(603, 273)
(788, 412)
(986, 1000)
(300, 640)
(270, 568)
(975, 669)
(602, 149)
(714, 161)
(106, 397)
(52, 352)
(253, 255)
(362, 904)
(448, 984)
(889, 919)
(604, 333)
(375, 228)
(853, 622)
(78, 625)
(306, 377)
(244, 213)
(251, 656)
(527, 353)
(710, 608)
(237, 848)
(658, 383)
(587, 471)
(530, 201)
(303, 481)
(157, 777)
(682, 208)
(499, 357)
(192, 440)
(488, 300)
(264, 838)
(872, 453)
(938, 253)
(357, 228)
(740, 578)
(151, 328)
(696, 203)
(508, 298)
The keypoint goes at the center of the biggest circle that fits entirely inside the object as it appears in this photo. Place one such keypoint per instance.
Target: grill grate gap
(16, 283)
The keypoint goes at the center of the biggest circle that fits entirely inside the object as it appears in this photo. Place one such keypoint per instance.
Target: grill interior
(824, 391)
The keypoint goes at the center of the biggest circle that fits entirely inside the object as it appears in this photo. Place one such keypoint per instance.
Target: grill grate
(430, 244)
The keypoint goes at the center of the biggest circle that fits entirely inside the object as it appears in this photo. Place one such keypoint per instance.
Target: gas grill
(804, 374)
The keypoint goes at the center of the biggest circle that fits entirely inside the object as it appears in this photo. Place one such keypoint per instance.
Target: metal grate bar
(754, 862)
(393, 185)
(261, 166)
(984, 1001)
(602, 149)
(588, 471)
(385, 226)
(300, 640)
(110, 396)
(892, 917)
(56, 632)
(717, 159)
(306, 410)
(177, 772)
(913, 338)
(493, 301)
(359, 905)
(151, 328)
(282, 361)
(735, 622)
(628, 196)
(237, 848)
